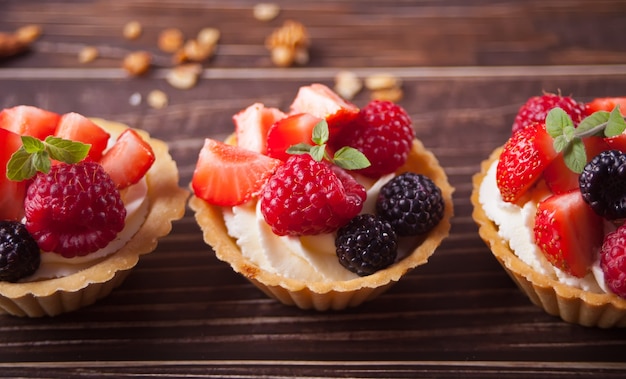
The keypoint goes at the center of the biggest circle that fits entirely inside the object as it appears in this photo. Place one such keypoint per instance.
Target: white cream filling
(515, 225)
(306, 258)
(136, 202)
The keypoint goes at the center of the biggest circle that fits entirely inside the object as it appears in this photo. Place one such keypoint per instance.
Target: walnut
(11, 45)
(132, 30)
(170, 40)
(184, 76)
(266, 11)
(137, 63)
(292, 42)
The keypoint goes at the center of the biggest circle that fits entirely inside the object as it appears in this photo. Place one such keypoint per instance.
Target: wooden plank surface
(466, 68)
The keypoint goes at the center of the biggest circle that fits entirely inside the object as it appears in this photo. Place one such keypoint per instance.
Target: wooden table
(466, 67)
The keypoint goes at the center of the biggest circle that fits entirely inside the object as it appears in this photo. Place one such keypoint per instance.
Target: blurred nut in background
(347, 84)
(384, 86)
(157, 99)
(137, 63)
(28, 34)
(11, 45)
(208, 36)
(132, 30)
(88, 54)
(170, 40)
(289, 44)
(184, 76)
(265, 11)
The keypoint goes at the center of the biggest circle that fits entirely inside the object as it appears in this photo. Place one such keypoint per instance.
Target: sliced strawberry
(76, 127)
(320, 101)
(524, 157)
(606, 104)
(560, 178)
(228, 175)
(128, 160)
(568, 232)
(252, 125)
(30, 121)
(11, 193)
(289, 131)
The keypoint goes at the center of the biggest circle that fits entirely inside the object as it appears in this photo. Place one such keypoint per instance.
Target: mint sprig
(346, 157)
(569, 139)
(36, 155)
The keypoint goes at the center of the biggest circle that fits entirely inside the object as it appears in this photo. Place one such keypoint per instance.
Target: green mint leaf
(301, 148)
(569, 132)
(616, 124)
(41, 161)
(32, 145)
(575, 156)
(560, 143)
(320, 133)
(350, 159)
(317, 152)
(20, 166)
(556, 121)
(65, 150)
(593, 123)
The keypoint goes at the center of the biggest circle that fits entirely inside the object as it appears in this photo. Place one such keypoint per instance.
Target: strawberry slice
(128, 160)
(228, 175)
(11, 193)
(606, 104)
(560, 178)
(568, 232)
(79, 128)
(290, 131)
(524, 157)
(320, 101)
(29, 121)
(252, 125)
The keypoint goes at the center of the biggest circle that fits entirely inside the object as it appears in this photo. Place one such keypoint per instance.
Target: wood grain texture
(466, 68)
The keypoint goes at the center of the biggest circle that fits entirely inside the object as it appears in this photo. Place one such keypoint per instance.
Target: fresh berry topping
(524, 157)
(366, 244)
(129, 159)
(74, 209)
(384, 133)
(19, 253)
(29, 121)
(252, 125)
(306, 197)
(290, 131)
(613, 261)
(320, 101)
(602, 184)
(11, 192)
(536, 109)
(411, 203)
(76, 127)
(568, 232)
(228, 175)
(606, 104)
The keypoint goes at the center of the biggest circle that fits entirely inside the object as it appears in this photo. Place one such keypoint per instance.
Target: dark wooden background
(466, 68)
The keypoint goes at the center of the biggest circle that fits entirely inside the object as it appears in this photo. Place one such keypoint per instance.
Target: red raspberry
(537, 108)
(306, 197)
(74, 210)
(383, 132)
(613, 261)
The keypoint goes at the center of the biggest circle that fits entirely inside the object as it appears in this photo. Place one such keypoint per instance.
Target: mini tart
(51, 297)
(338, 294)
(571, 304)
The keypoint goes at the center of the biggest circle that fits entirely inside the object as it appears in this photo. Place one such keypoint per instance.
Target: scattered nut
(184, 76)
(347, 84)
(265, 11)
(88, 54)
(196, 52)
(382, 81)
(208, 36)
(137, 63)
(28, 34)
(132, 30)
(291, 42)
(11, 45)
(157, 99)
(394, 94)
(170, 40)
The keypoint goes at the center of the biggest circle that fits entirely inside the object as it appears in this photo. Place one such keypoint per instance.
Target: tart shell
(51, 297)
(571, 304)
(334, 295)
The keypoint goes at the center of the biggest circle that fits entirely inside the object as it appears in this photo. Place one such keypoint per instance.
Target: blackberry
(19, 253)
(411, 203)
(366, 244)
(603, 182)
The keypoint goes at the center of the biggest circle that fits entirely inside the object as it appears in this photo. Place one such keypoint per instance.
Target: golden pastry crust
(338, 294)
(571, 304)
(60, 295)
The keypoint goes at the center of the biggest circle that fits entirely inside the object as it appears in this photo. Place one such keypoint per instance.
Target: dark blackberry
(19, 253)
(411, 203)
(603, 182)
(366, 244)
